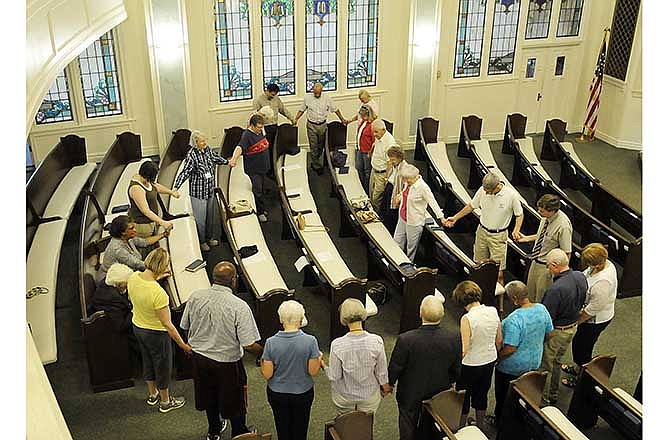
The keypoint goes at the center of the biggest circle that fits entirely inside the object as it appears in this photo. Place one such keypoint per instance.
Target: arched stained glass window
(56, 105)
(233, 49)
(539, 17)
(278, 44)
(503, 38)
(469, 38)
(362, 48)
(99, 78)
(321, 43)
(569, 18)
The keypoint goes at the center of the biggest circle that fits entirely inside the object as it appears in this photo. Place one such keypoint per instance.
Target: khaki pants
(145, 230)
(316, 135)
(491, 245)
(539, 280)
(377, 185)
(369, 405)
(554, 349)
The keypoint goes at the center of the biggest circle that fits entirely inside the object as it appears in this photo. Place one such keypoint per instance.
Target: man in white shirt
(383, 141)
(414, 200)
(497, 204)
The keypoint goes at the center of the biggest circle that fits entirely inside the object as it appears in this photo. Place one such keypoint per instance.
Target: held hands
(187, 348)
(233, 163)
(516, 235)
(174, 193)
(449, 222)
(386, 389)
(395, 203)
(446, 223)
(167, 226)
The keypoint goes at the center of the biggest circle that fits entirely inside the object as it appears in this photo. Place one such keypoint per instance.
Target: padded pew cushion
(555, 415)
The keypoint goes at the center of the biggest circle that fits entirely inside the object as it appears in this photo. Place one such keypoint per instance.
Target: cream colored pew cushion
(567, 146)
(63, 199)
(628, 399)
(555, 415)
(528, 151)
(470, 433)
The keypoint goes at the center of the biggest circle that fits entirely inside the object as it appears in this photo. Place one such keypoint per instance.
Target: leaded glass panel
(469, 38)
(321, 43)
(503, 38)
(539, 17)
(278, 44)
(621, 40)
(569, 18)
(56, 104)
(99, 78)
(233, 49)
(362, 50)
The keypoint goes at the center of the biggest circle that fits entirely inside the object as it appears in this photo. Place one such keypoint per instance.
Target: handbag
(302, 225)
(241, 206)
(367, 216)
(339, 159)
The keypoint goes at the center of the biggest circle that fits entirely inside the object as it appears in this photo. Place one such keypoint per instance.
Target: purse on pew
(361, 203)
(367, 216)
(339, 159)
(302, 225)
(241, 206)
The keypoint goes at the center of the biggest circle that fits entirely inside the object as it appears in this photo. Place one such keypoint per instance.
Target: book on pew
(196, 265)
(120, 208)
(343, 170)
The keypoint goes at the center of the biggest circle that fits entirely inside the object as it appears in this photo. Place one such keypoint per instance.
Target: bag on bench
(367, 216)
(377, 292)
(241, 207)
(339, 159)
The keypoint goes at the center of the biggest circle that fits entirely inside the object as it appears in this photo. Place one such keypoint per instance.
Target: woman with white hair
(112, 298)
(357, 372)
(199, 168)
(413, 202)
(366, 99)
(290, 359)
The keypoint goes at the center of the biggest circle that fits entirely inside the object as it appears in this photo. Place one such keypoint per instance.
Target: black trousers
(238, 424)
(389, 215)
(584, 341)
(408, 419)
(257, 181)
(502, 381)
(291, 413)
(476, 382)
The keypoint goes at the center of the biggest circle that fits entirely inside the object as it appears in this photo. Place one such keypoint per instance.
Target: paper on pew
(294, 191)
(258, 257)
(291, 167)
(301, 263)
(324, 256)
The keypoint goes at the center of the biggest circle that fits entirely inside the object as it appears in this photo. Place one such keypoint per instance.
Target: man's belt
(316, 123)
(565, 327)
(493, 231)
(379, 171)
(538, 261)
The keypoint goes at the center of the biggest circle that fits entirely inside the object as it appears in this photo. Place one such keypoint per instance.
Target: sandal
(569, 369)
(471, 421)
(569, 382)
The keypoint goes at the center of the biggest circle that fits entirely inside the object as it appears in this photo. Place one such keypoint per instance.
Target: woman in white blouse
(598, 311)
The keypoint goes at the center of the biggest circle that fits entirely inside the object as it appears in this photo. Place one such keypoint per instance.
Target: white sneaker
(213, 242)
(204, 247)
(262, 218)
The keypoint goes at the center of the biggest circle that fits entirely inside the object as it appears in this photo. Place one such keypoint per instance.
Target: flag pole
(590, 136)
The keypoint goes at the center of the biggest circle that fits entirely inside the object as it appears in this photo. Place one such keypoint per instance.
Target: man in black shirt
(424, 362)
(564, 300)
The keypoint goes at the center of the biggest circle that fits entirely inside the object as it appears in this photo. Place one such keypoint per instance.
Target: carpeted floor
(123, 413)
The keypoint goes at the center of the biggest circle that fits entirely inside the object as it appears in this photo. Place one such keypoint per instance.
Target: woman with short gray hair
(358, 373)
(290, 359)
(111, 296)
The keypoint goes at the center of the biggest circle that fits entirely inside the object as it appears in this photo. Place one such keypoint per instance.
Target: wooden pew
(354, 425)
(107, 354)
(326, 266)
(440, 418)
(259, 271)
(384, 256)
(522, 418)
(593, 397)
(529, 171)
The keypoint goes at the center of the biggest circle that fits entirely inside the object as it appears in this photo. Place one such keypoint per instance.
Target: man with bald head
(424, 362)
(564, 300)
(220, 328)
(318, 107)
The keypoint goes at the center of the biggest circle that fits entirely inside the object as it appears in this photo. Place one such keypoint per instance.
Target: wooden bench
(259, 272)
(441, 415)
(354, 425)
(384, 256)
(594, 396)
(107, 354)
(326, 266)
(522, 418)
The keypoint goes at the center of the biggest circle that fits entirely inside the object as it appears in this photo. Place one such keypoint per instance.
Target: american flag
(594, 97)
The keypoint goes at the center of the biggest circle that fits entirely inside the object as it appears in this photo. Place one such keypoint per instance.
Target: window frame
(336, 38)
(376, 46)
(481, 45)
(516, 41)
(263, 80)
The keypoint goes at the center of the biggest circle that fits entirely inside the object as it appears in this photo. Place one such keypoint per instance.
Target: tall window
(321, 31)
(99, 78)
(621, 41)
(233, 49)
(56, 104)
(539, 16)
(278, 47)
(469, 38)
(362, 50)
(503, 39)
(569, 18)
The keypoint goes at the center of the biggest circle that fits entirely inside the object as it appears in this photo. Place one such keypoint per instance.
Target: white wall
(136, 94)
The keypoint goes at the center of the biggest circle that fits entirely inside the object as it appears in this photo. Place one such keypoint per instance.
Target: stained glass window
(503, 38)
(539, 16)
(233, 49)
(569, 18)
(621, 41)
(56, 104)
(321, 44)
(278, 44)
(99, 78)
(470, 38)
(362, 50)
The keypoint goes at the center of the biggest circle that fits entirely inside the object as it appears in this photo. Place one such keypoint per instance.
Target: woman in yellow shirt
(153, 329)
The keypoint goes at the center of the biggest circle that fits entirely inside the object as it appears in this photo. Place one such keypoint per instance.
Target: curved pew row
(326, 266)
(51, 194)
(107, 353)
(605, 206)
(384, 256)
(259, 271)
(441, 415)
(529, 171)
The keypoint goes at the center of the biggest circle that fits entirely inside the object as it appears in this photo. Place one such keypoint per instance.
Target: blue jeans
(203, 211)
(364, 168)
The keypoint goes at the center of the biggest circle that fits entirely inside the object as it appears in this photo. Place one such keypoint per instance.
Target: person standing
(318, 107)
(554, 232)
(598, 311)
(481, 338)
(564, 300)
(364, 141)
(199, 168)
(413, 201)
(365, 99)
(498, 204)
(424, 362)
(379, 162)
(290, 359)
(254, 145)
(221, 328)
(270, 98)
(390, 200)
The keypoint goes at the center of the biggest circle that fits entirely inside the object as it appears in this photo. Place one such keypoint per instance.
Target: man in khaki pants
(384, 141)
